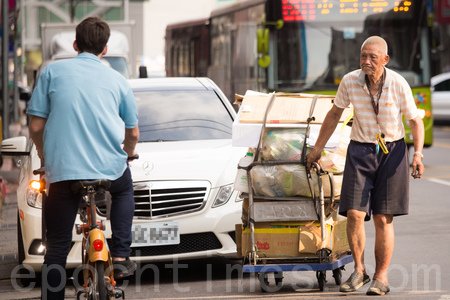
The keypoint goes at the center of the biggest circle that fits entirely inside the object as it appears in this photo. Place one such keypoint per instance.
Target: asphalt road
(420, 267)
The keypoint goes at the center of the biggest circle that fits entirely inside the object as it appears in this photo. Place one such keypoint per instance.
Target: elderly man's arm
(36, 130)
(417, 130)
(329, 125)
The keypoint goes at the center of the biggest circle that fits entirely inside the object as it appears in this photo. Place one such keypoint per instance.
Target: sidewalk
(8, 214)
(9, 175)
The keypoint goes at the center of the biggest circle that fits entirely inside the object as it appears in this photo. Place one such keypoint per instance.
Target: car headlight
(240, 197)
(223, 195)
(33, 194)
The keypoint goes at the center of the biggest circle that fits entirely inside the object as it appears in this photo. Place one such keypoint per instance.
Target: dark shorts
(376, 183)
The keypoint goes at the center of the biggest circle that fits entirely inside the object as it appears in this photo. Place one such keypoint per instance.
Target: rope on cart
(269, 106)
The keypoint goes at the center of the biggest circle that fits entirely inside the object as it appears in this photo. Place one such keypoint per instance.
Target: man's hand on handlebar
(133, 157)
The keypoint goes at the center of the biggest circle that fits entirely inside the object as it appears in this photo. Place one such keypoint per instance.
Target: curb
(8, 258)
(8, 226)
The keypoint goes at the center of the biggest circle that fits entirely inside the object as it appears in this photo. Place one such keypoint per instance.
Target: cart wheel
(324, 254)
(264, 282)
(337, 274)
(322, 279)
(278, 278)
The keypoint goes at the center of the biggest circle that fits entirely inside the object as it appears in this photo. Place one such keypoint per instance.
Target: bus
(308, 45)
(187, 48)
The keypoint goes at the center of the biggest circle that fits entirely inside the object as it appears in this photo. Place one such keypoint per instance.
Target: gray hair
(378, 41)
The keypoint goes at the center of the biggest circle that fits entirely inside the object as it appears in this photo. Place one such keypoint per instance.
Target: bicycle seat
(99, 185)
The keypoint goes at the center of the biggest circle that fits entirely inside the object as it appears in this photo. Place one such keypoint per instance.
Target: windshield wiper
(157, 141)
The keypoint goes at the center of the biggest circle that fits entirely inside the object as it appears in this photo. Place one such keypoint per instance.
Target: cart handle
(319, 170)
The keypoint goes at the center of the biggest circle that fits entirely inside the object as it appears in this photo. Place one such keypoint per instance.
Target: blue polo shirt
(87, 105)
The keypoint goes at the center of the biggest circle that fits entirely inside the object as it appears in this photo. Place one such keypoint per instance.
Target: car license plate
(154, 234)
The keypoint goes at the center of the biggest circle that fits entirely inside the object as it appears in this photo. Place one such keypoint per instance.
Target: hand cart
(316, 208)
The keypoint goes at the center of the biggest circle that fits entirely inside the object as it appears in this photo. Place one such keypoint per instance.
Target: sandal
(354, 282)
(377, 288)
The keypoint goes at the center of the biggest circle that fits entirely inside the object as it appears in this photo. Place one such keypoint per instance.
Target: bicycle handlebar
(40, 171)
(131, 158)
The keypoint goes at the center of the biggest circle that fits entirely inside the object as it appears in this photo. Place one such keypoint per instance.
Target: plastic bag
(283, 144)
(281, 181)
(289, 181)
(333, 161)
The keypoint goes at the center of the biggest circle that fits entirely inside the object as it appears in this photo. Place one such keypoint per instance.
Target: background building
(22, 51)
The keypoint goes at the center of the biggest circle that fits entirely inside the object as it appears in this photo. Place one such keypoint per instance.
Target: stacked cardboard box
(293, 239)
(287, 110)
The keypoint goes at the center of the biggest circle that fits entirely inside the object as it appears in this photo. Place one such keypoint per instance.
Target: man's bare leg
(384, 246)
(357, 239)
(356, 235)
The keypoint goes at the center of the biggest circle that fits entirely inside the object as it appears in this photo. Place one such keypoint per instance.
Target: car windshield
(182, 116)
(118, 63)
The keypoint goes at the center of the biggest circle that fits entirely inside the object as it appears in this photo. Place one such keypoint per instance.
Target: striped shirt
(396, 99)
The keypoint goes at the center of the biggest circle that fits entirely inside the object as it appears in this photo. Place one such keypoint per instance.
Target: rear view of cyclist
(81, 113)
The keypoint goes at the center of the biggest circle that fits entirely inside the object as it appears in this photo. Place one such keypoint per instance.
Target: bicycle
(98, 270)
(96, 258)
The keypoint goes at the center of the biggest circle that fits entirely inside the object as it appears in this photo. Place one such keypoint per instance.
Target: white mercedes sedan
(185, 203)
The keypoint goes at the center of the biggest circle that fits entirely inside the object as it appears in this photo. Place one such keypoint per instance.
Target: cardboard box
(245, 135)
(274, 240)
(310, 238)
(340, 241)
(248, 134)
(288, 110)
(281, 211)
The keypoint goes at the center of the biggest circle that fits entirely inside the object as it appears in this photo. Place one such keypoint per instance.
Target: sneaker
(124, 268)
(377, 288)
(354, 282)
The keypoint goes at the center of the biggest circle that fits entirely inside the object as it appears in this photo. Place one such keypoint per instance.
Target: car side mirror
(16, 146)
(24, 94)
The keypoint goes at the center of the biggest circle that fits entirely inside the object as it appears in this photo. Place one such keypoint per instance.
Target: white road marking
(321, 295)
(440, 181)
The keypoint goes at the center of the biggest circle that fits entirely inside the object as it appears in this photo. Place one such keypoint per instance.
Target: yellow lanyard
(381, 143)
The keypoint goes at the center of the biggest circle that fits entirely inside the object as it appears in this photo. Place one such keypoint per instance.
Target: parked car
(440, 96)
(183, 179)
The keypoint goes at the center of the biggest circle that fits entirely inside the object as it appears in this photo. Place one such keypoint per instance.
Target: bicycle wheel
(99, 291)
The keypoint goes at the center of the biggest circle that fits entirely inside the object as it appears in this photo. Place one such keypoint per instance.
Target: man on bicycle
(83, 121)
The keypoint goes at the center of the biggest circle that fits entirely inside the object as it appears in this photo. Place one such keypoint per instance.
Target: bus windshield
(321, 39)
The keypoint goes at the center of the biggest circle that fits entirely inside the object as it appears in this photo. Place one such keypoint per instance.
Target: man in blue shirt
(83, 121)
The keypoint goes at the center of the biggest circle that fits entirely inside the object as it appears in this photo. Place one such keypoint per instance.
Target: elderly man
(376, 180)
